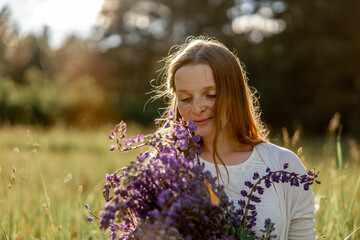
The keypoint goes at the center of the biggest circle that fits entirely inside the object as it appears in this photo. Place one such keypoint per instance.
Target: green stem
(6, 237)
(46, 194)
(339, 150)
(350, 208)
(351, 233)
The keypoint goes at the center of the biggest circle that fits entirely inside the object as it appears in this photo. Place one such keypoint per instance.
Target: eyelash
(184, 99)
(212, 96)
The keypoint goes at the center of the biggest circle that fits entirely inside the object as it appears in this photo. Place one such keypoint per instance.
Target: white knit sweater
(289, 207)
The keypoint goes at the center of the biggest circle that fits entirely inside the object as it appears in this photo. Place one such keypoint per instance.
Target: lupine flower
(268, 229)
(166, 194)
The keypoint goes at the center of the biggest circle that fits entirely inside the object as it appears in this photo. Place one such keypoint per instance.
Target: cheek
(185, 112)
(212, 105)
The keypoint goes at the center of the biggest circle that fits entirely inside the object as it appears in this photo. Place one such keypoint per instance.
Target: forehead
(194, 77)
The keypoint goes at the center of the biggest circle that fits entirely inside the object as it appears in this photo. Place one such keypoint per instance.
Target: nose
(199, 106)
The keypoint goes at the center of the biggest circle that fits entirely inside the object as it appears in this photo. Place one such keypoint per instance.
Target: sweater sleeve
(300, 207)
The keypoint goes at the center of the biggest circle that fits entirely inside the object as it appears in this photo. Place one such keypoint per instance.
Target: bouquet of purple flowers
(167, 194)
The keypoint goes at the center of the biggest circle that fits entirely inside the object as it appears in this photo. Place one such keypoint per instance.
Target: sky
(76, 17)
(63, 17)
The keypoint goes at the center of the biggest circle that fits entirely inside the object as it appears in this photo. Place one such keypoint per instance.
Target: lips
(202, 121)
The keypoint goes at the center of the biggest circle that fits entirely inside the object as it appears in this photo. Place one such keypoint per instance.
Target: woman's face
(196, 95)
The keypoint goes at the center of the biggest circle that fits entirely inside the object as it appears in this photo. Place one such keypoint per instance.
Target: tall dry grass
(46, 177)
(337, 205)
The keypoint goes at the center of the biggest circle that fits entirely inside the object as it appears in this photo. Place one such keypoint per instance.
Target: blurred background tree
(311, 70)
(303, 57)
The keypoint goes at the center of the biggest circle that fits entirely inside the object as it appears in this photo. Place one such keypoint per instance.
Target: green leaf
(244, 234)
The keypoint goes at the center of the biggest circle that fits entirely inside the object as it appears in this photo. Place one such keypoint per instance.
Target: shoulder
(280, 155)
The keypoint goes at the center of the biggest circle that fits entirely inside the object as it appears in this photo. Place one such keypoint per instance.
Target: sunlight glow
(248, 23)
(63, 17)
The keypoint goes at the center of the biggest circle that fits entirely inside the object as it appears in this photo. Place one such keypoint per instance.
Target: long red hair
(234, 98)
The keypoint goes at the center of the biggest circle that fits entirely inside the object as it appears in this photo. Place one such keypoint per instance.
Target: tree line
(302, 57)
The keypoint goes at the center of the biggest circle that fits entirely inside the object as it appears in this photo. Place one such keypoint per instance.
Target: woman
(206, 83)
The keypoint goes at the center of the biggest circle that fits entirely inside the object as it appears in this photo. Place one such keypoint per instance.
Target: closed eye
(184, 99)
(211, 96)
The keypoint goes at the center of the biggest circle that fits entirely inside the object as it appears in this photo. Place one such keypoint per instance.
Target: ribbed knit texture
(269, 205)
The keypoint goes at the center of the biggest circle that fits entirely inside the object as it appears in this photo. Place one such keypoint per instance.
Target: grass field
(46, 177)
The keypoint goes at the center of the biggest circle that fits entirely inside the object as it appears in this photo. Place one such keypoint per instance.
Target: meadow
(46, 177)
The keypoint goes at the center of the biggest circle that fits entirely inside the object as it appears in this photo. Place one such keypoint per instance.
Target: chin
(205, 133)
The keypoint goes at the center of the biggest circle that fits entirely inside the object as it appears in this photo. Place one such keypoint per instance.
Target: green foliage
(244, 234)
(29, 104)
(310, 71)
(304, 74)
(45, 101)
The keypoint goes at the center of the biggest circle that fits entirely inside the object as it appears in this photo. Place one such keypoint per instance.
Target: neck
(225, 144)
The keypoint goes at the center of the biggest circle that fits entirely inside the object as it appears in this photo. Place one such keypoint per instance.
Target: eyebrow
(205, 88)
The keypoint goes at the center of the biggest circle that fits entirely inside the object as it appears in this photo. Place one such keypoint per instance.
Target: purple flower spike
(251, 207)
(267, 183)
(249, 184)
(196, 138)
(256, 176)
(183, 144)
(269, 228)
(192, 127)
(166, 193)
(242, 203)
(260, 189)
(113, 235)
(255, 199)
(117, 127)
(140, 138)
(286, 165)
(244, 193)
(275, 177)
